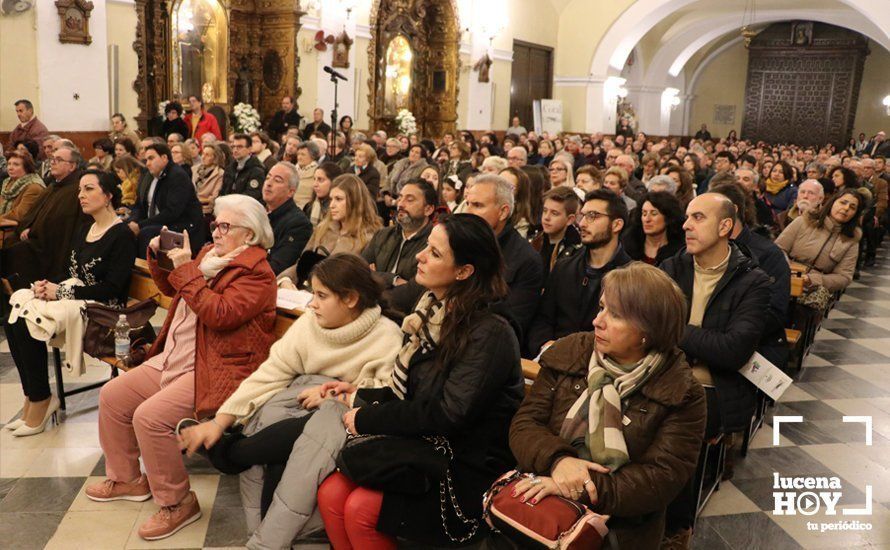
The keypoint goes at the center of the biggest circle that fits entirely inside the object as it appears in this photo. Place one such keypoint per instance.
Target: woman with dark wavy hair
(457, 376)
(656, 228)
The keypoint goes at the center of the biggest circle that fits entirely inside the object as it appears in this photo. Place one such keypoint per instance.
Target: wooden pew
(143, 287)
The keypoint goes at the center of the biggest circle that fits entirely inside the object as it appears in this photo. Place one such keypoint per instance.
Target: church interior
(803, 84)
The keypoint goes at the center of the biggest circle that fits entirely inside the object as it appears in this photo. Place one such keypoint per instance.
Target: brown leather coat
(664, 436)
(236, 320)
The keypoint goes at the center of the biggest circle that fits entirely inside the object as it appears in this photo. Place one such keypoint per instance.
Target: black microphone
(334, 73)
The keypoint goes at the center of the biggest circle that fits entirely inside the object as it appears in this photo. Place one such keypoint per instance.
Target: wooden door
(532, 79)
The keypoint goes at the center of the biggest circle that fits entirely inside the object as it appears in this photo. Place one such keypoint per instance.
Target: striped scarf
(421, 330)
(594, 423)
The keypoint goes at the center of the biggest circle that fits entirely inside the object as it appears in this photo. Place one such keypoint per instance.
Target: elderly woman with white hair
(219, 329)
(308, 154)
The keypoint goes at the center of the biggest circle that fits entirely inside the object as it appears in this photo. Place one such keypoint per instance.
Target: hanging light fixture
(748, 19)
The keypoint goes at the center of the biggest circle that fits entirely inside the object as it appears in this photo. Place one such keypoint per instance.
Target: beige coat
(304, 190)
(802, 241)
(208, 184)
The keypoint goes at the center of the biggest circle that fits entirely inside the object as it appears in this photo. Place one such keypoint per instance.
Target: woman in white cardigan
(343, 337)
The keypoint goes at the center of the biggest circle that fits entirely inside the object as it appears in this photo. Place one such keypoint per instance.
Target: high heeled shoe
(52, 413)
(14, 424)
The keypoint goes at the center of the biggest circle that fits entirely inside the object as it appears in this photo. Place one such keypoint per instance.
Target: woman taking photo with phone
(218, 330)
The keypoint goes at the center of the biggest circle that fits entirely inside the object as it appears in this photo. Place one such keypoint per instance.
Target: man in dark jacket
(728, 295)
(773, 262)
(290, 226)
(392, 251)
(571, 297)
(317, 125)
(169, 200)
(491, 198)
(245, 174)
(47, 229)
(287, 117)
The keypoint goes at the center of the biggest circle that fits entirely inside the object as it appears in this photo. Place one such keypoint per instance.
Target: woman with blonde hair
(561, 173)
(348, 226)
(208, 176)
(129, 171)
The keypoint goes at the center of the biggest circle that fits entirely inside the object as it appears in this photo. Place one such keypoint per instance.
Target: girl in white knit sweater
(344, 336)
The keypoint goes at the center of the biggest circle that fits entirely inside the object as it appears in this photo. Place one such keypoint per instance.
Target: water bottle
(122, 340)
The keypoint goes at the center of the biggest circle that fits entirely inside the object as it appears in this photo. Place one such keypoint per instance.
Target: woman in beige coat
(827, 240)
(208, 177)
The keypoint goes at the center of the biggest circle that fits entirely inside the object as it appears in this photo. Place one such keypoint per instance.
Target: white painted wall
(64, 70)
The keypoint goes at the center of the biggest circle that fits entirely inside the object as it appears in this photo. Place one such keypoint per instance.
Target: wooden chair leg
(60, 385)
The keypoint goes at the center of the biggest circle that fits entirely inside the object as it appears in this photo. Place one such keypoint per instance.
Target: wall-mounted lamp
(670, 98)
(886, 103)
(614, 88)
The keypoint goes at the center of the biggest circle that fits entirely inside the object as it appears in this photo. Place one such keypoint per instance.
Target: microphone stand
(333, 138)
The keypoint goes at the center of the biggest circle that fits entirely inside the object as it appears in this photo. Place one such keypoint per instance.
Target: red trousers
(350, 515)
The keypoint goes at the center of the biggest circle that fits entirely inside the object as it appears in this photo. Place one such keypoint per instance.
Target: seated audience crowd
(640, 274)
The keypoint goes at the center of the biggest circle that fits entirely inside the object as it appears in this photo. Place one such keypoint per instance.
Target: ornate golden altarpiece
(413, 63)
(231, 50)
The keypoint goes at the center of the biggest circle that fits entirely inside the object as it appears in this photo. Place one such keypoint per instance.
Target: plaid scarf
(13, 187)
(421, 330)
(594, 423)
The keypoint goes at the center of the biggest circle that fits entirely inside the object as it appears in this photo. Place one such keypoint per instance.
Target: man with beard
(809, 197)
(571, 296)
(392, 251)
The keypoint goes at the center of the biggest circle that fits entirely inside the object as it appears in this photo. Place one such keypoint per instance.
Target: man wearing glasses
(571, 296)
(47, 229)
(246, 174)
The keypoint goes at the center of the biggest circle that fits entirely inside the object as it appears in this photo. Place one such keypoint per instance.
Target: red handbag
(553, 523)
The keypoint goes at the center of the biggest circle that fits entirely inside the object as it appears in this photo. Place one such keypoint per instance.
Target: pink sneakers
(170, 519)
(108, 490)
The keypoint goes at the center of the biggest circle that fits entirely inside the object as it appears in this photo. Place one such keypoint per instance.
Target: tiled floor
(848, 373)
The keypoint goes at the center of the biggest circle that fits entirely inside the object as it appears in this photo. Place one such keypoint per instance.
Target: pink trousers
(138, 417)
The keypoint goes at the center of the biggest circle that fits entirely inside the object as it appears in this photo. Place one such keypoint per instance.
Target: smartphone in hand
(170, 240)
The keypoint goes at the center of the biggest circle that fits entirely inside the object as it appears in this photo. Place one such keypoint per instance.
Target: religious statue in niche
(802, 33)
(341, 50)
(74, 17)
(244, 84)
(483, 66)
(397, 72)
(200, 42)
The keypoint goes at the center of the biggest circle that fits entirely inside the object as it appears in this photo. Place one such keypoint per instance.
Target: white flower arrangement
(162, 106)
(247, 119)
(406, 122)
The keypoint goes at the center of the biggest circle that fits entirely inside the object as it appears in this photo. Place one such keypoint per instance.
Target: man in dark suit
(286, 118)
(290, 226)
(169, 200)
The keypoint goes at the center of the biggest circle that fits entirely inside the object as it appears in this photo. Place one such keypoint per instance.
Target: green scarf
(12, 188)
(594, 423)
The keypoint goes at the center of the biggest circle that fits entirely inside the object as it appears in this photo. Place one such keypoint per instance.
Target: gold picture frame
(74, 21)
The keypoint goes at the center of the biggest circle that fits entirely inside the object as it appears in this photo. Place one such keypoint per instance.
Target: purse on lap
(553, 523)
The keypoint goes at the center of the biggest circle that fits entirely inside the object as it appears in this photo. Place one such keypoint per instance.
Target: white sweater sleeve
(273, 375)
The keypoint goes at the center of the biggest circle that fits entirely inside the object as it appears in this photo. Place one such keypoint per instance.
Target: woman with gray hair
(662, 183)
(219, 329)
(308, 154)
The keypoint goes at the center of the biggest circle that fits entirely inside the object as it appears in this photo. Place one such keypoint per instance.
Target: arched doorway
(413, 64)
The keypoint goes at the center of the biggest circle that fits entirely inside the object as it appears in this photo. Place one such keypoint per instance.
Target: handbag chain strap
(446, 493)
